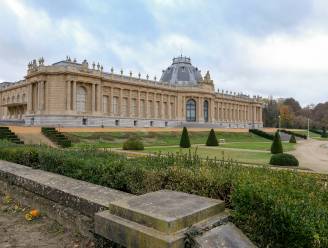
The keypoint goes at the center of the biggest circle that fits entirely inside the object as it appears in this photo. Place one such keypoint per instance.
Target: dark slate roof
(181, 72)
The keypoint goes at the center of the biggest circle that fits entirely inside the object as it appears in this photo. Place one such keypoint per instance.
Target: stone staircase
(7, 134)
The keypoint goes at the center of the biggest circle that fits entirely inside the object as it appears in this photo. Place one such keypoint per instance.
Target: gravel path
(313, 154)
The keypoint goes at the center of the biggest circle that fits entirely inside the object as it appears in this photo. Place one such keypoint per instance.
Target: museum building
(68, 93)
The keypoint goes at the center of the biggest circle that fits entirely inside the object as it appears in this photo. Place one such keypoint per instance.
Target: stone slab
(87, 198)
(227, 236)
(167, 211)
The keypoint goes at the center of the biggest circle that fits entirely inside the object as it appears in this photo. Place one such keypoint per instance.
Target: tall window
(158, 109)
(206, 111)
(105, 104)
(125, 106)
(143, 107)
(115, 105)
(81, 94)
(134, 107)
(191, 110)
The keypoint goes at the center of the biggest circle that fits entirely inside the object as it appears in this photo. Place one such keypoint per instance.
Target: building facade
(68, 93)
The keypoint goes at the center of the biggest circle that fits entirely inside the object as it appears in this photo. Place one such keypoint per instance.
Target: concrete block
(167, 211)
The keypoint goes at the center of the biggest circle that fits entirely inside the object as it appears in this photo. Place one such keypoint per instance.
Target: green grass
(312, 135)
(263, 146)
(116, 139)
(216, 152)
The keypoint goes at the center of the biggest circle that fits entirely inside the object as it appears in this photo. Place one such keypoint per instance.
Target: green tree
(292, 139)
(324, 133)
(211, 139)
(184, 140)
(276, 146)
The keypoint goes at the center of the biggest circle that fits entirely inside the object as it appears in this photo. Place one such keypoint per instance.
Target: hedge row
(56, 137)
(317, 131)
(262, 133)
(7, 134)
(275, 208)
(293, 133)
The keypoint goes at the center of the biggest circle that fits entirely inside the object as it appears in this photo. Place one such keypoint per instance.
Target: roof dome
(181, 72)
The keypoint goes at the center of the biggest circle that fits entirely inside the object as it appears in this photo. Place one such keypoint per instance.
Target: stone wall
(157, 219)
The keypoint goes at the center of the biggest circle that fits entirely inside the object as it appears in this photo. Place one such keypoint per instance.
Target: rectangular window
(158, 107)
(151, 109)
(135, 123)
(172, 111)
(125, 106)
(143, 108)
(115, 105)
(117, 122)
(133, 107)
(105, 104)
(166, 110)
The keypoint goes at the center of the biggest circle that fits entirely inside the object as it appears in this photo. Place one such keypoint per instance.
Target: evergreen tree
(276, 146)
(292, 139)
(212, 140)
(324, 133)
(184, 141)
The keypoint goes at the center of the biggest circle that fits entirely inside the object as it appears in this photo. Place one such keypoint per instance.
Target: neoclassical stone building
(68, 93)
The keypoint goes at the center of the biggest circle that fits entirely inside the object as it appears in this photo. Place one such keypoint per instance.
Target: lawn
(116, 139)
(216, 152)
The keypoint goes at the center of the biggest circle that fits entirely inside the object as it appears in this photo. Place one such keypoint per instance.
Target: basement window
(135, 123)
(84, 121)
(151, 123)
(166, 124)
(117, 122)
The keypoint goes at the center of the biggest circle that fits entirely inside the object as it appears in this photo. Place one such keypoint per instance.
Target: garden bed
(274, 208)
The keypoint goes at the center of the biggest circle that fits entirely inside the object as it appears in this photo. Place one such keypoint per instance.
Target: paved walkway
(313, 154)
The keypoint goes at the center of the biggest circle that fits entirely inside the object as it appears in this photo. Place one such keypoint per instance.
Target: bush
(275, 208)
(283, 159)
(276, 146)
(261, 133)
(184, 140)
(324, 133)
(292, 139)
(133, 144)
(212, 140)
(293, 133)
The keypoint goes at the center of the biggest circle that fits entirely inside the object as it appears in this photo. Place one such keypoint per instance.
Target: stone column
(261, 117)
(74, 96)
(146, 106)
(120, 109)
(162, 113)
(93, 98)
(68, 95)
(99, 98)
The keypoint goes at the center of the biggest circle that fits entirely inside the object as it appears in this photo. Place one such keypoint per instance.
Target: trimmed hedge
(184, 140)
(324, 133)
(293, 133)
(133, 144)
(7, 134)
(292, 139)
(284, 159)
(276, 146)
(211, 139)
(56, 137)
(275, 208)
(316, 131)
(261, 133)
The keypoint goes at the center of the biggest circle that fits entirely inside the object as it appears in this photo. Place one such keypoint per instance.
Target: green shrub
(133, 144)
(283, 159)
(292, 139)
(324, 133)
(261, 133)
(276, 146)
(211, 139)
(184, 140)
(293, 133)
(275, 208)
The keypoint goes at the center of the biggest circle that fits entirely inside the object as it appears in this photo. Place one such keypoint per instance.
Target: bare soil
(16, 231)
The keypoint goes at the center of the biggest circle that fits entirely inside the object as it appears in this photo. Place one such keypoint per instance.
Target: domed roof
(181, 72)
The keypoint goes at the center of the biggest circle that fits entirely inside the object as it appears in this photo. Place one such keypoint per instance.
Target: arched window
(81, 95)
(206, 111)
(191, 110)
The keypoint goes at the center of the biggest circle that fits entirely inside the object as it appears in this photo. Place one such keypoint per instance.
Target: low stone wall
(159, 219)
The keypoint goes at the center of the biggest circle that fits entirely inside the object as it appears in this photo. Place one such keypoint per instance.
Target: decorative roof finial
(122, 72)
(98, 66)
(93, 65)
(112, 70)
(147, 76)
(101, 68)
(155, 78)
(139, 75)
(130, 73)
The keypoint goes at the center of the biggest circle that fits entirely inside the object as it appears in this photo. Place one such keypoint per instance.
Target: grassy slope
(154, 138)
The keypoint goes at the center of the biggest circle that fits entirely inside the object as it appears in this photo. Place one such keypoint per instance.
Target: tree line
(292, 115)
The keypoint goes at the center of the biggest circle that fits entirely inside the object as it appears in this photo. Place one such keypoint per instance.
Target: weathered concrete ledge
(157, 219)
(86, 198)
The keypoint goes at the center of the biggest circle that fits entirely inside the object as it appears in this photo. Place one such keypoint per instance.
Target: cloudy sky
(272, 47)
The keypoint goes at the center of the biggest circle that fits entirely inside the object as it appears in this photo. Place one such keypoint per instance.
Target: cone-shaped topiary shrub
(283, 159)
(276, 146)
(324, 133)
(292, 139)
(212, 140)
(133, 144)
(184, 141)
